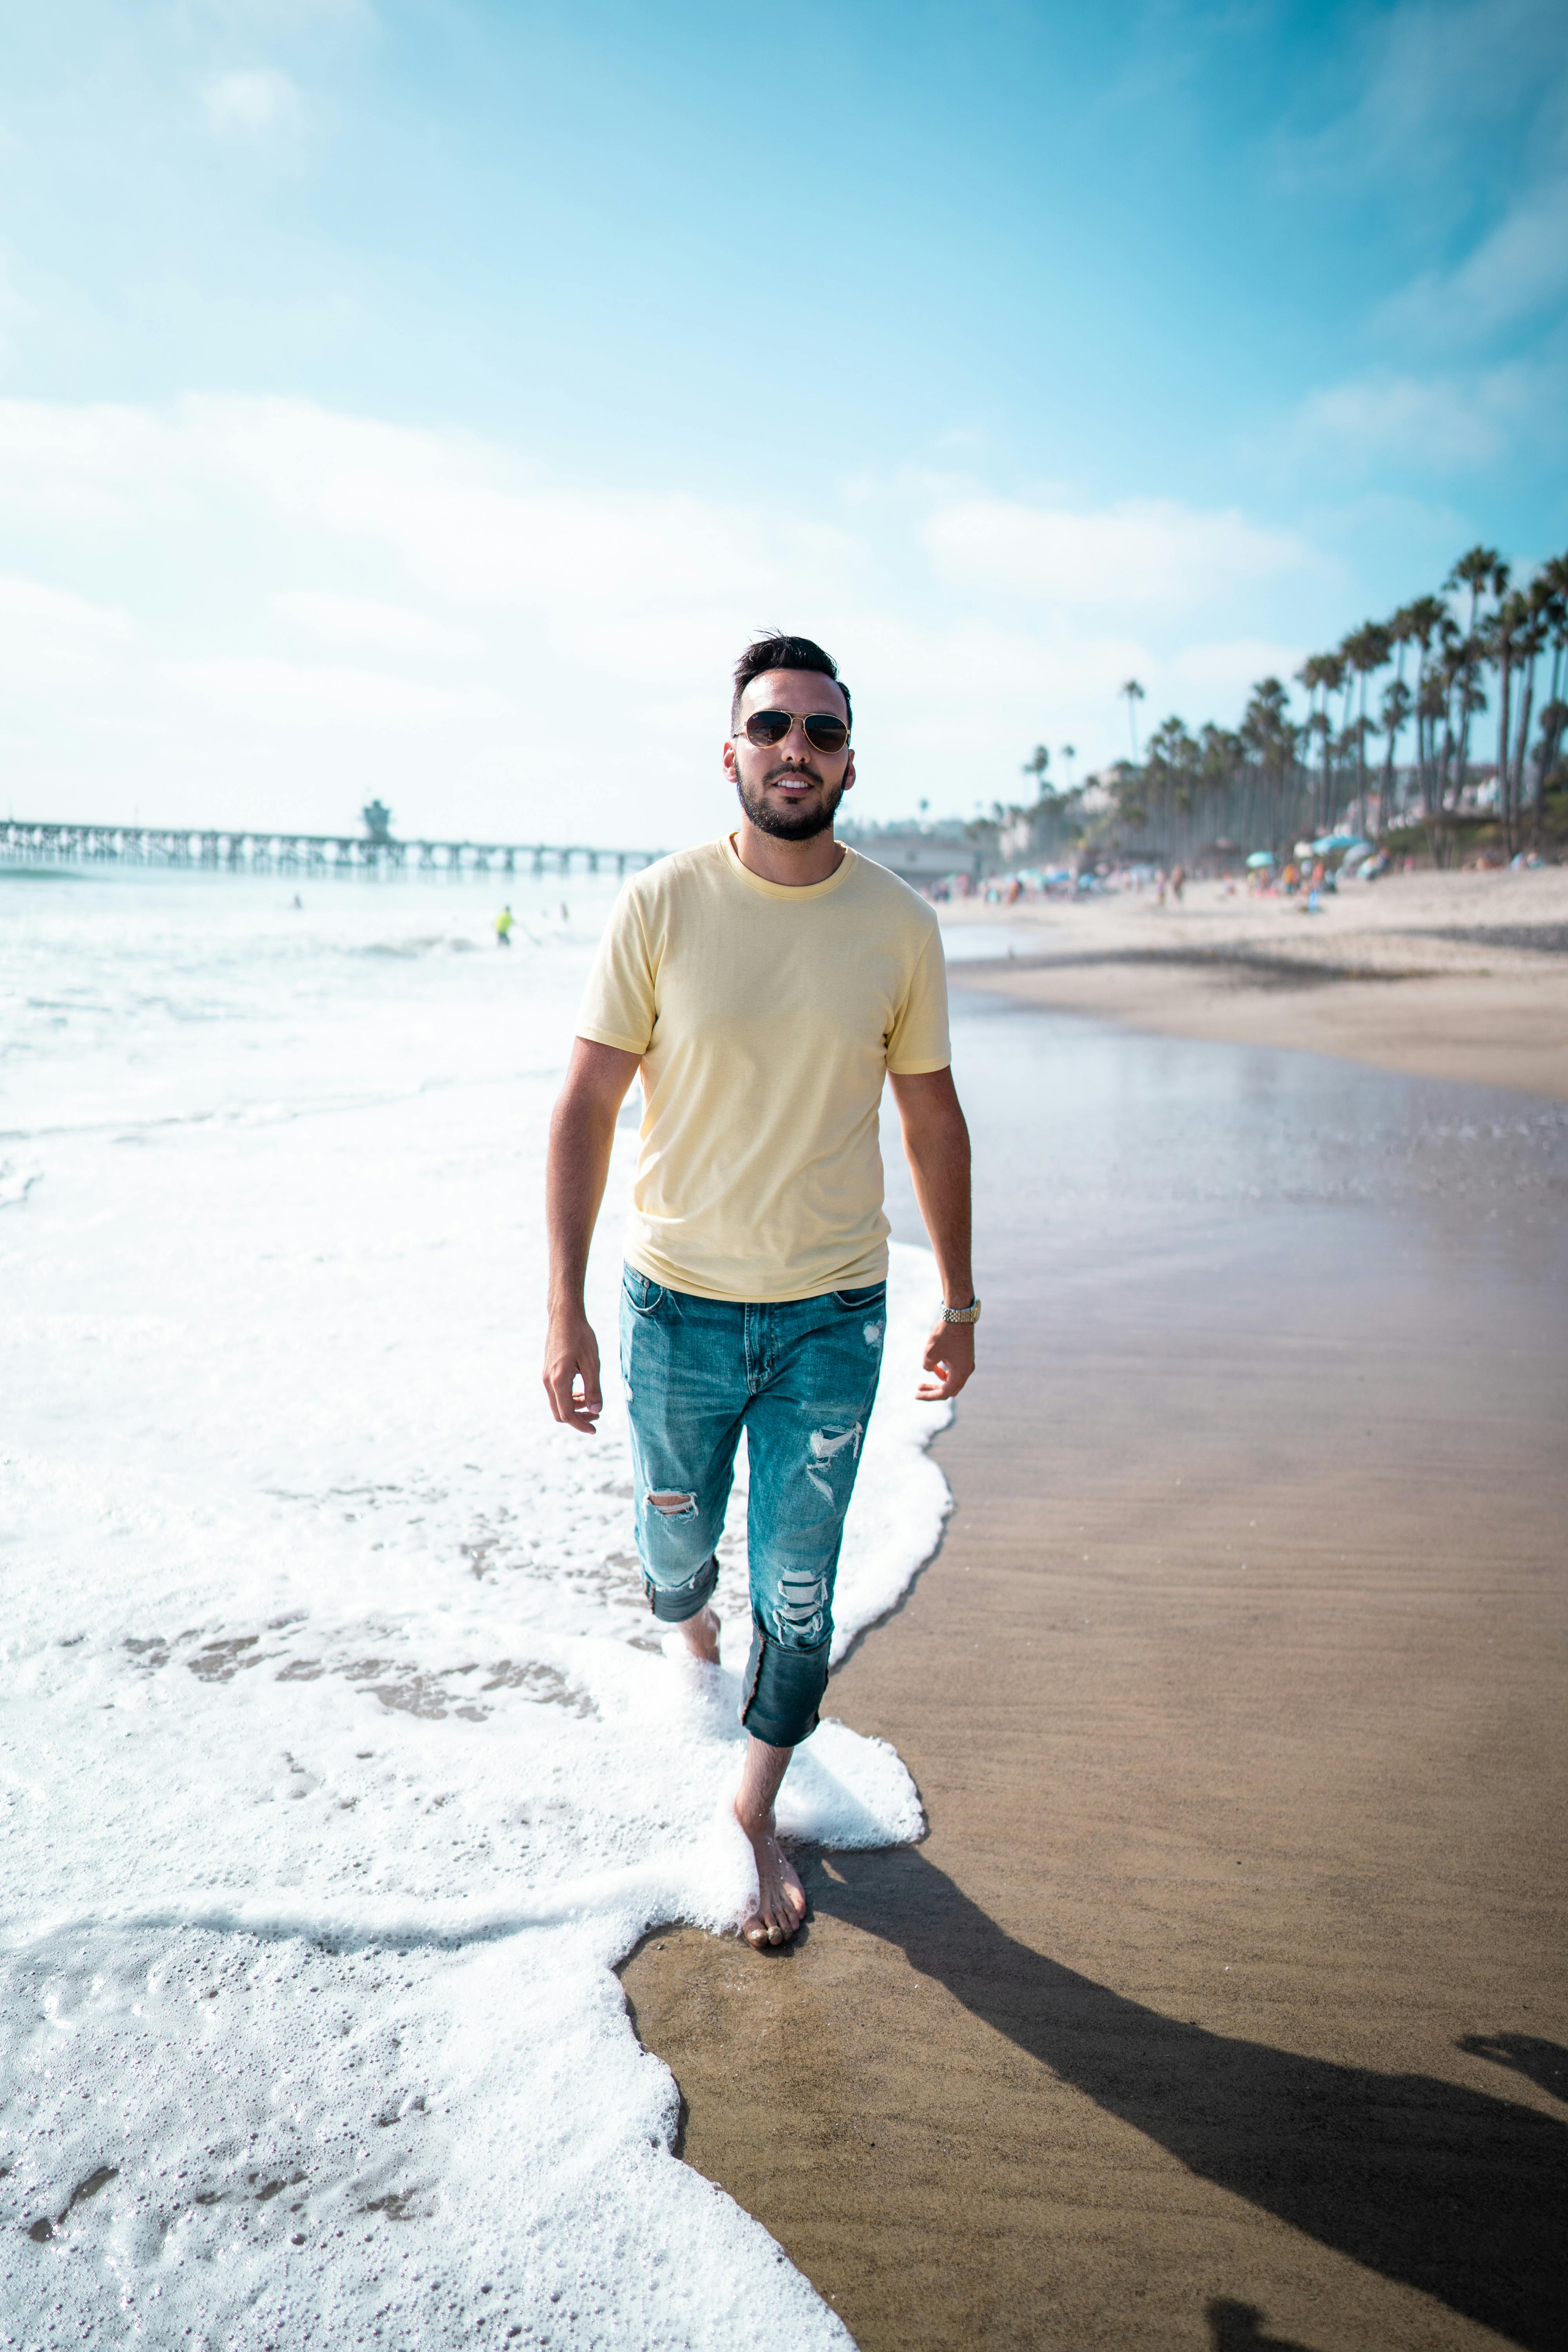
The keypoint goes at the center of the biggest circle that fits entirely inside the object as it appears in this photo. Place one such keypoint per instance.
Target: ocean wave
(344, 1759)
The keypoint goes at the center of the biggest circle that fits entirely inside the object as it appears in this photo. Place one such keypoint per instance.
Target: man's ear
(849, 785)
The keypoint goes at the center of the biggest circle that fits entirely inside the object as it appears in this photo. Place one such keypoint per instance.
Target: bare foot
(781, 1897)
(702, 1634)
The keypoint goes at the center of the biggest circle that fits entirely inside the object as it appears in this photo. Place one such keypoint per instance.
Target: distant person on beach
(503, 928)
(764, 985)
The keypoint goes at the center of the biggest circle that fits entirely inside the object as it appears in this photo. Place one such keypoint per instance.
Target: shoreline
(1449, 976)
(1220, 2004)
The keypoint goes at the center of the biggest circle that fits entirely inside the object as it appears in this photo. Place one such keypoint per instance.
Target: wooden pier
(373, 856)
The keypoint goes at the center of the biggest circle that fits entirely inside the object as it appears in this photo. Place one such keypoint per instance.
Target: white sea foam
(341, 1761)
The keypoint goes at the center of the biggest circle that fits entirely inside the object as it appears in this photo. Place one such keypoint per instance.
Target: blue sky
(429, 398)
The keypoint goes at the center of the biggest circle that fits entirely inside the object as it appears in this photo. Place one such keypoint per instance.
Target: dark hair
(774, 651)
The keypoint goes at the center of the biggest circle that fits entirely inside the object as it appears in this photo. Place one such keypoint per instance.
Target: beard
(790, 824)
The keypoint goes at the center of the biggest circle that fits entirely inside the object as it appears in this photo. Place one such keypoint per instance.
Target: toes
(761, 1931)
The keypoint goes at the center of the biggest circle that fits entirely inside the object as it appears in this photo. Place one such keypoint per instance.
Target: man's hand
(936, 1145)
(571, 1364)
(948, 1361)
(582, 1129)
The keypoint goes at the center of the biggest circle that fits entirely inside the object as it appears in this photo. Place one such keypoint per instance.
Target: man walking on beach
(764, 985)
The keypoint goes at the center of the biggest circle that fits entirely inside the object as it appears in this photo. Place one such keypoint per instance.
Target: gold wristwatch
(970, 1314)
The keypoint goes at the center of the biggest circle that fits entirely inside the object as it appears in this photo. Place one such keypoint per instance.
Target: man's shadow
(1238, 2327)
(1453, 2191)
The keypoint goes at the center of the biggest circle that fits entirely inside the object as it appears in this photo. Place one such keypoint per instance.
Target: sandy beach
(1448, 975)
(1223, 2005)
(1226, 1977)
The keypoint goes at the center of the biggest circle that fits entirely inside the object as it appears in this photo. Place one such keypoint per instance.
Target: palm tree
(1553, 577)
(1364, 650)
(1396, 708)
(1269, 735)
(1424, 618)
(1392, 718)
(1458, 674)
(1537, 639)
(1134, 693)
(1334, 671)
(1501, 642)
(1479, 568)
(1264, 779)
(1171, 772)
(1313, 676)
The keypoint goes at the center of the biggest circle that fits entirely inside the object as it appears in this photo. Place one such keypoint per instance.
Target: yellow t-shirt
(766, 1019)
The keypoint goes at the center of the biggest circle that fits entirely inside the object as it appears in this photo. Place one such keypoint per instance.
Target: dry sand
(1224, 2005)
(1450, 975)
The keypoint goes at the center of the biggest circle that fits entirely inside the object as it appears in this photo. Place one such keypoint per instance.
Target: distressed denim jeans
(800, 1379)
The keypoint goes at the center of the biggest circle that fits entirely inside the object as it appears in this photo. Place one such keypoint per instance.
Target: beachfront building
(921, 854)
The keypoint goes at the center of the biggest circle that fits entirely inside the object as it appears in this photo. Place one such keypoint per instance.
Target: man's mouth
(796, 779)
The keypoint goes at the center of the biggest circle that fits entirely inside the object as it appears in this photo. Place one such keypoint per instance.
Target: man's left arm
(936, 1144)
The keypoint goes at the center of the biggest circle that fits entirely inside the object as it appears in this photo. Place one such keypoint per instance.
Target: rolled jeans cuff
(672, 1604)
(782, 1689)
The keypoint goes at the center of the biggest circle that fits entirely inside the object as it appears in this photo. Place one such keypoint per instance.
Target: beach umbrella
(1329, 841)
(1261, 858)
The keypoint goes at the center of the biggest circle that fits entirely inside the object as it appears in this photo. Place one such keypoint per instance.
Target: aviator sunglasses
(767, 729)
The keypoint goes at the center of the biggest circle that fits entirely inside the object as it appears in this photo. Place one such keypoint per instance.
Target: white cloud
(30, 605)
(1517, 270)
(75, 463)
(50, 639)
(1220, 676)
(273, 19)
(366, 623)
(594, 627)
(1432, 423)
(1442, 422)
(1143, 553)
(1457, 116)
(469, 521)
(1427, 78)
(256, 690)
(250, 105)
(12, 308)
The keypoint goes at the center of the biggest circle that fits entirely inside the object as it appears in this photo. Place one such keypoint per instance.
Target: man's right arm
(582, 1130)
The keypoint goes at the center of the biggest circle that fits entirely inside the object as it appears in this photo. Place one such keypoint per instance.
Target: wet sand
(1224, 2004)
(1443, 975)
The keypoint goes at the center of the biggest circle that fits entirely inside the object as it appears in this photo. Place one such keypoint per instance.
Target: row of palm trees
(1506, 631)
(1275, 776)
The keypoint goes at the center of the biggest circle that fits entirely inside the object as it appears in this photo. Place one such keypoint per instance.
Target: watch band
(970, 1314)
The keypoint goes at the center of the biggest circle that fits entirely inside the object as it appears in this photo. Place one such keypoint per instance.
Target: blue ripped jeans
(800, 1379)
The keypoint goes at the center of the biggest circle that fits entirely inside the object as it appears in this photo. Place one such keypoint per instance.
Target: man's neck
(794, 865)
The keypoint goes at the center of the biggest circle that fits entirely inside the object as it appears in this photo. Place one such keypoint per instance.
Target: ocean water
(341, 1761)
